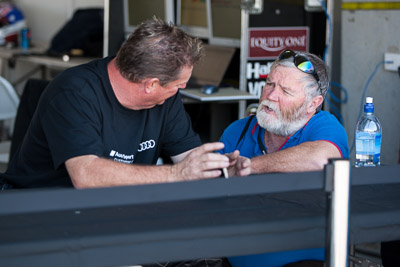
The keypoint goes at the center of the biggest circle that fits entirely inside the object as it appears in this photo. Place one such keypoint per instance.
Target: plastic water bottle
(368, 137)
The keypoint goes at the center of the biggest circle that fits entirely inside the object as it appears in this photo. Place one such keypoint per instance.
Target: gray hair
(312, 87)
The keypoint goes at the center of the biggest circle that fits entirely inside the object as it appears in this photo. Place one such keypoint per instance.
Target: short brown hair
(157, 49)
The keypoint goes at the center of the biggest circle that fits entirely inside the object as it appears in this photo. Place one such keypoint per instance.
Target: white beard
(280, 125)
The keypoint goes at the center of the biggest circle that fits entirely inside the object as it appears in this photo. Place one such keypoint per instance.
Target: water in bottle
(368, 137)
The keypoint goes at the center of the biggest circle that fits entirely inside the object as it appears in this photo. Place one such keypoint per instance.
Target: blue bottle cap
(369, 105)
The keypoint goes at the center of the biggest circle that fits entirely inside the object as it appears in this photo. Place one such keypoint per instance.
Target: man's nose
(273, 94)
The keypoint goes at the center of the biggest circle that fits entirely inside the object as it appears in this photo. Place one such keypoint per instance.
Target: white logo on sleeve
(146, 145)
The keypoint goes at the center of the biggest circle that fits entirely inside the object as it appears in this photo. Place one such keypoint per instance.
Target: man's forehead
(286, 75)
(287, 78)
(293, 71)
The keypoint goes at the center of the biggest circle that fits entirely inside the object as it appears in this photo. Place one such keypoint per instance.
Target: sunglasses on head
(302, 62)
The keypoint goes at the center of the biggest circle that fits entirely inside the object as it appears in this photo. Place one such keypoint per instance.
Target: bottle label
(365, 143)
(368, 148)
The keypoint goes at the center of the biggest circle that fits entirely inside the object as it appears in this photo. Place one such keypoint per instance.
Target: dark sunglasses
(302, 62)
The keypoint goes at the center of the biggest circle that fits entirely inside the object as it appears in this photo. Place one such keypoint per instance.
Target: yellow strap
(370, 5)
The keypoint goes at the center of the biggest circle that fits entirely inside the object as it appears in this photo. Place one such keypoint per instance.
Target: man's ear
(151, 84)
(315, 102)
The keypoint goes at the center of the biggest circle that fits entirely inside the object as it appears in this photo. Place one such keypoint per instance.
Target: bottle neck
(369, 108)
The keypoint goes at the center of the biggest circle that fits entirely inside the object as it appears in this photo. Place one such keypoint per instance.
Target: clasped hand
(203, 162)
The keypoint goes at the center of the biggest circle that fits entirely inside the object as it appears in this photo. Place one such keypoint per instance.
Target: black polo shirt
(78, 114)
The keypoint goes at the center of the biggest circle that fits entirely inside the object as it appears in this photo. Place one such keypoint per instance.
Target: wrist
(173, 173)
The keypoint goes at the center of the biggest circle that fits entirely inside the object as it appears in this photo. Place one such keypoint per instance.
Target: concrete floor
(4, 149)
(370, 252)
(3, 167)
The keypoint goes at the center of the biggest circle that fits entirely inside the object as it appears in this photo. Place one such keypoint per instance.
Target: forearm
(92, 171)
(308, 156)
(200, 163)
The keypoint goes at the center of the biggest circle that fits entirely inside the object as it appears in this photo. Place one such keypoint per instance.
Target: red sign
(267, 43)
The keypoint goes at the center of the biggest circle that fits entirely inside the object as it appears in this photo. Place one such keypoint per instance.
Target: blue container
(25, 38)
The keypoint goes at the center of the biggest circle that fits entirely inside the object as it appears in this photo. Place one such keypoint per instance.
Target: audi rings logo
(146, 145)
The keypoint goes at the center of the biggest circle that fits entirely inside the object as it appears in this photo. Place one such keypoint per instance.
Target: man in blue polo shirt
(289, 134)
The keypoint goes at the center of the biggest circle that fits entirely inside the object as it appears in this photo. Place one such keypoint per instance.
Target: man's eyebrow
(288, 89)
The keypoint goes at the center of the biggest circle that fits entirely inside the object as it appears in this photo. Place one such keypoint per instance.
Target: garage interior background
(361, 36)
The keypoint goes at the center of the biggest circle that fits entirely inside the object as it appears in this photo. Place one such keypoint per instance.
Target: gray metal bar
(244, 48)
(339, 214)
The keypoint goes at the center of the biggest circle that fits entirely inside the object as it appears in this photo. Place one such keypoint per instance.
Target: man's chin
(274, 126)
(286, 129)
(266, 118)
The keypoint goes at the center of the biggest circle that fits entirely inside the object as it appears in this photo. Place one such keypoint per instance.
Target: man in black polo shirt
(106, 123)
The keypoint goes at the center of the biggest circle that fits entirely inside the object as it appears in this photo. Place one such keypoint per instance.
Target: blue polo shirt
(322, 126)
